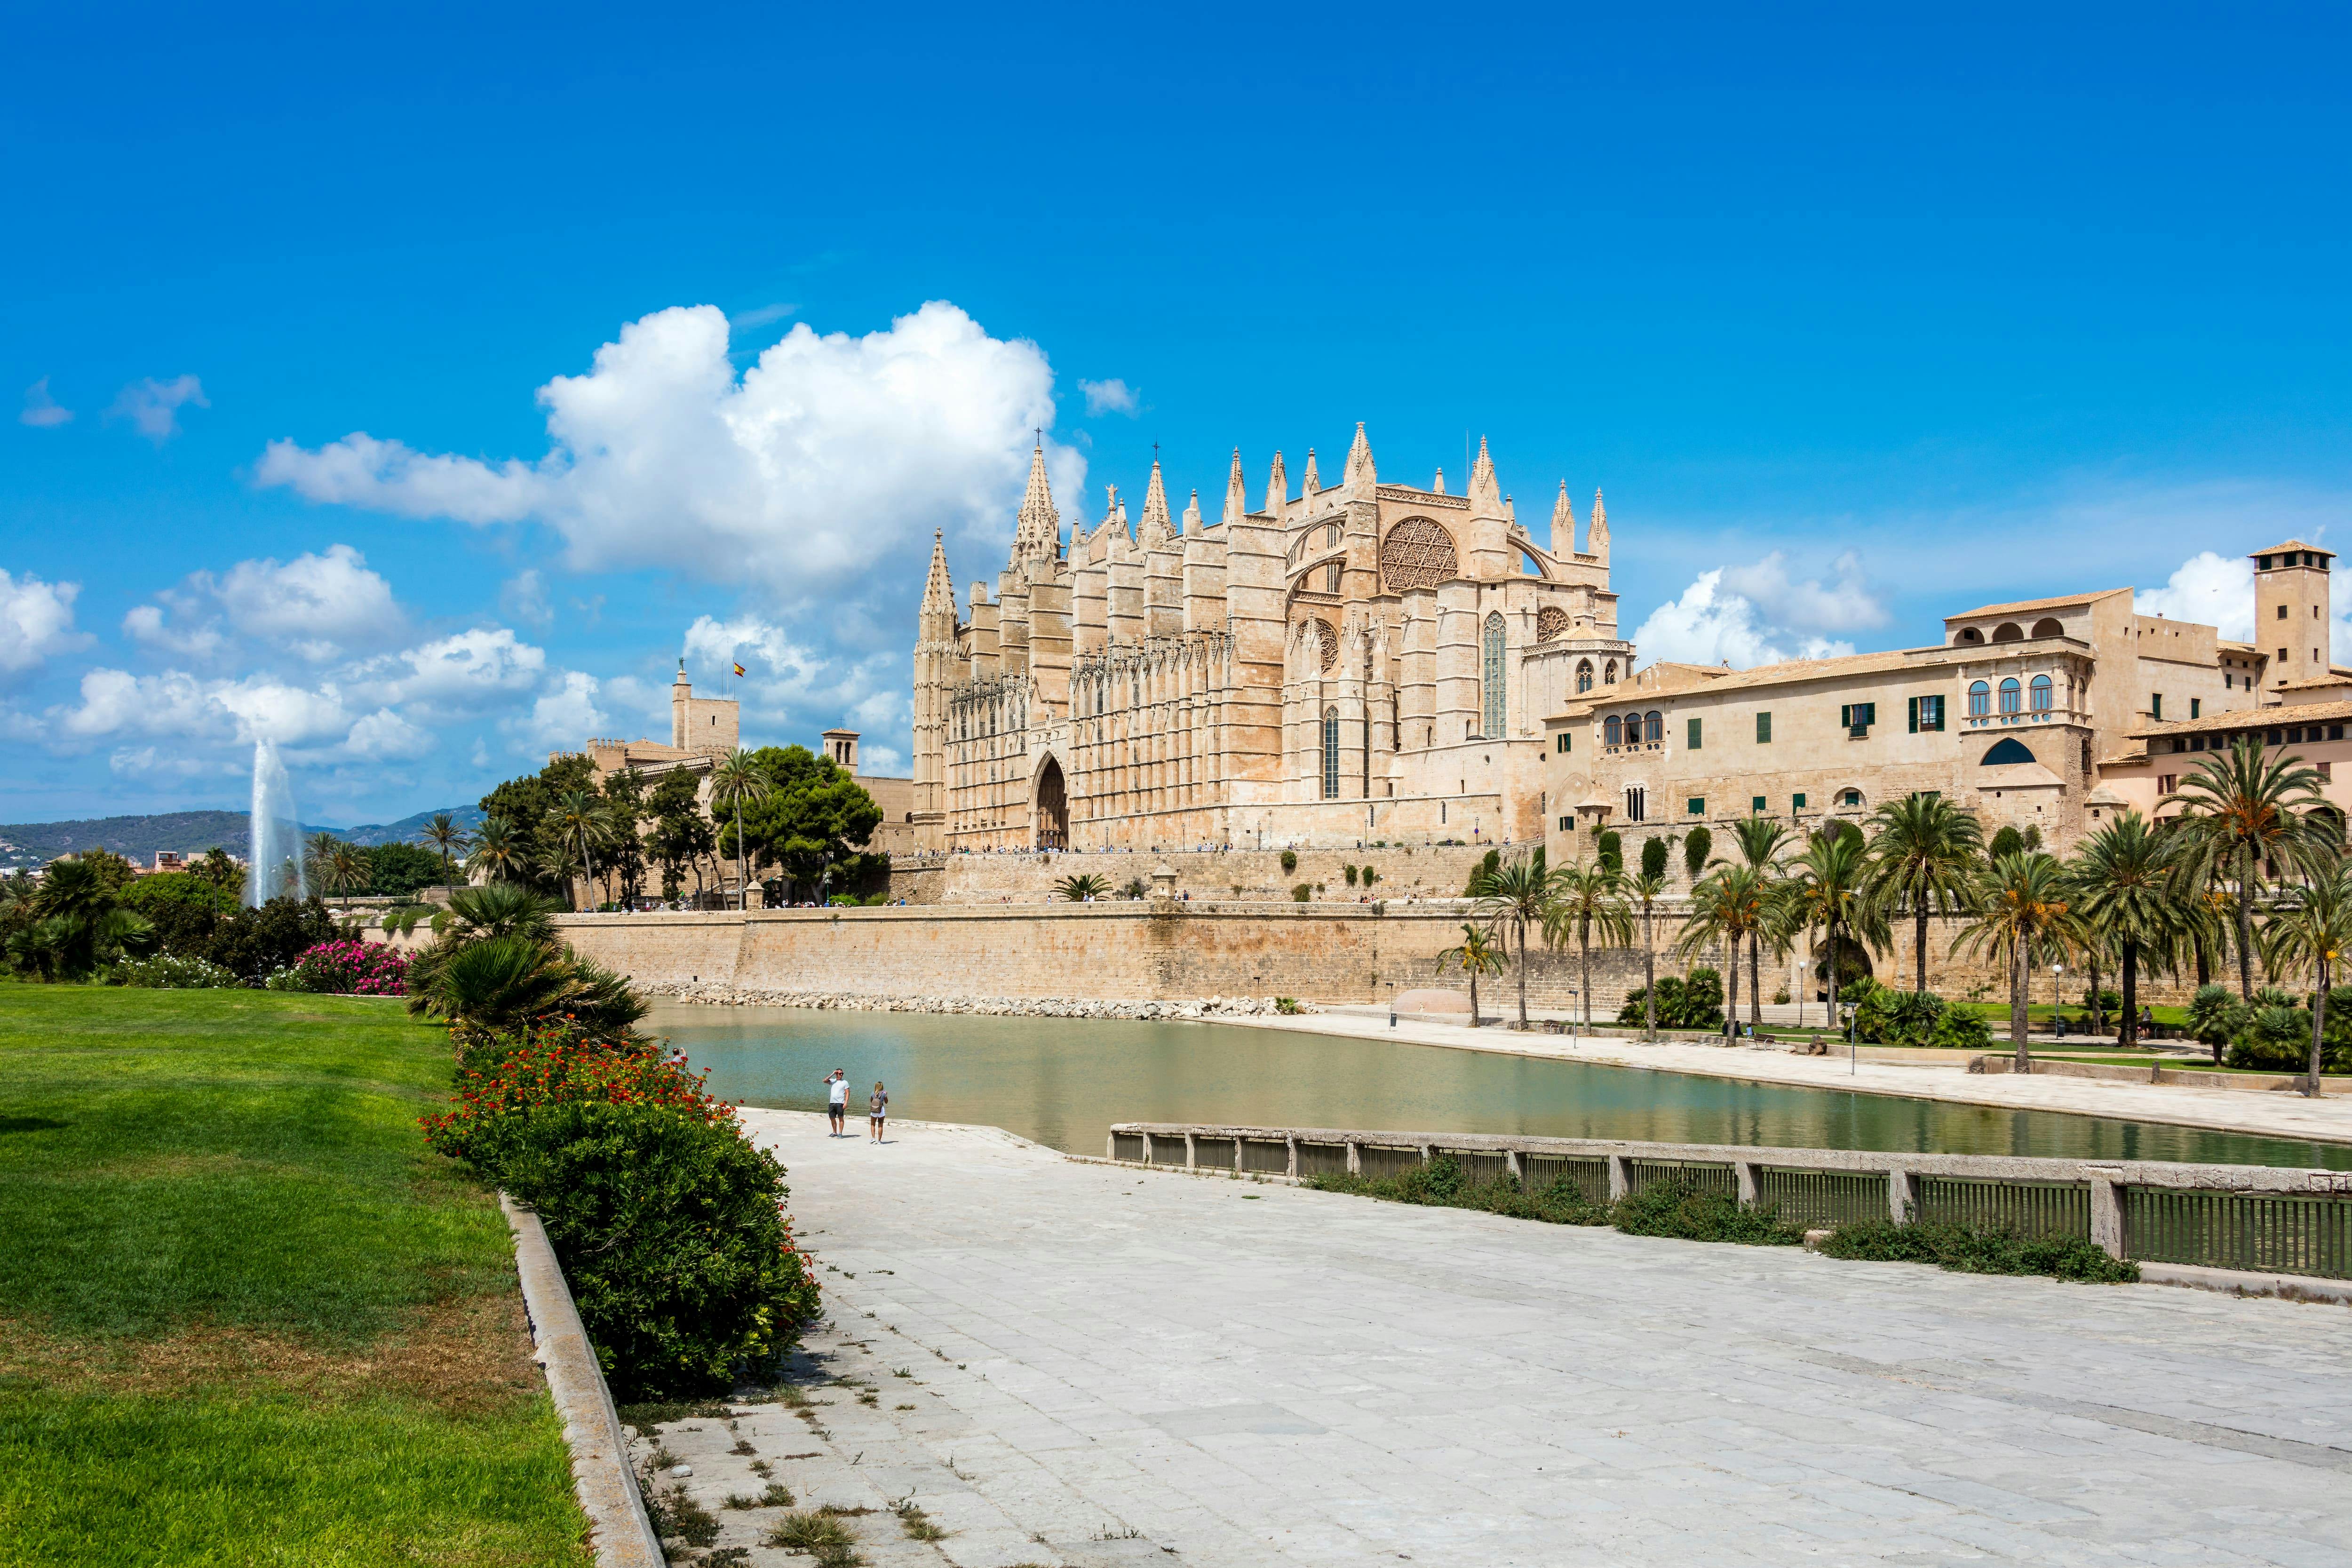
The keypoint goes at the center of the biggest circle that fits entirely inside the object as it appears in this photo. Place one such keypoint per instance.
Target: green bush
(1476, 888)
(1973, 1249)
(1695, 1001)
(1676, 1206)
(1443, 1183)
(1304, 891)
(1653, 856)
(1611, 846)
(1289, 861)
(1958, 1029)
(1892, 1017)
(1697, 845)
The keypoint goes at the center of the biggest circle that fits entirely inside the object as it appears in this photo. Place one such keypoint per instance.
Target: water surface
(1062, 1081)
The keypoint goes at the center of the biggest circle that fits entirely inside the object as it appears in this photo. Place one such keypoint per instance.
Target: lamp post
(2055, 971)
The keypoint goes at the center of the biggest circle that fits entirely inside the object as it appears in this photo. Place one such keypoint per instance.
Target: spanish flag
(739, 669)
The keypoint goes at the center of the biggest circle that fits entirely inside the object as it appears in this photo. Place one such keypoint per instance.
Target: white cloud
(268, 709)
(147, 625)
(36, 620)
(784, 668)
(829, 456)
(1845, 605)
(2210, 590)
(115, 702)
(524, 597)
(154, 407)
(1113, 397)
(562, 720)
(320, 604)
(1710, 624)
(744, 319)
(41, 410)
(386, 736)
(466, 669)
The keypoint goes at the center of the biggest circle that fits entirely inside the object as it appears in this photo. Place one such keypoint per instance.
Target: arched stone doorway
(1053, 811)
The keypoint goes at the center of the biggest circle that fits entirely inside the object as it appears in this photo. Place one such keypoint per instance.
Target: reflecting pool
(1062, 1081)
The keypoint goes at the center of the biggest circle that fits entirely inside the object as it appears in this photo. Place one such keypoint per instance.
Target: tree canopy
(816, 816)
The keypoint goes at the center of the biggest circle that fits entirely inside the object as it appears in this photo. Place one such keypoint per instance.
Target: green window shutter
(1796, 803)
(1693, 740)
(1915, 715)
(1845, 716)
(1763, 729)
(1756, 803)
(1695, 806)
(1868, 714)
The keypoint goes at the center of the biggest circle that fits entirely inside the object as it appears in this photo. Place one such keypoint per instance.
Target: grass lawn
(246, 1317)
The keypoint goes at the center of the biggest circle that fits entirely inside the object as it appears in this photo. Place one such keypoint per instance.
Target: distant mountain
(190, 832)
(405, 830)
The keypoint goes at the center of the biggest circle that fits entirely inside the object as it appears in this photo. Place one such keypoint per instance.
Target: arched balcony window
(2009, 694)
(2041, 694)
(1654, 727)
(1979, 699)
(1331, 753)
(1612, 731)
(1583, 675)
(1491, 677)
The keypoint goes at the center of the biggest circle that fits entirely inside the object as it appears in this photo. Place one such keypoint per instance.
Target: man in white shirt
(837, 1106)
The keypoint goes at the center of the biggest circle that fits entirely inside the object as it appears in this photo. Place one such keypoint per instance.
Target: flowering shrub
(345, 967)
(669, 1223)
(171, 973)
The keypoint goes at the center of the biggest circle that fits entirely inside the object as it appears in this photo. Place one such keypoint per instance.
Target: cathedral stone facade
(1367, 662)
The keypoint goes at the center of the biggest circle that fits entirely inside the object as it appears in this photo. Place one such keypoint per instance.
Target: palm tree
(1760, 839)
(1828, 887)
(1476, 956)
(2123, 878)
(2312, 928)
(1924, 850)
(318, 854)
(2244, 807)
(1645, 889)
(2023, 911)
(346, 869)
(500, 854)
(1587, 900)
(558, 863)
(735, 780)
(1514, 896)
(446, 835)
(1731, 906)
(1077, 890)
(219, 872)
(578, 815)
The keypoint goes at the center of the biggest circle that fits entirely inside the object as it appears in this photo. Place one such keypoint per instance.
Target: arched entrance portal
(1053, 814)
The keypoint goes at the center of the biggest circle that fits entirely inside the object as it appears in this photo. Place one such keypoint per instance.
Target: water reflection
(1064, 1081)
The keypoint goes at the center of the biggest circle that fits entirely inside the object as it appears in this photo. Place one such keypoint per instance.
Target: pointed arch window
(1608, 673)
(1492, 717)
(1331, 753)
(1584, 674)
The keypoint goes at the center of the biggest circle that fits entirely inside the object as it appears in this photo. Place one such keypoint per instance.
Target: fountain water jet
(274, 866)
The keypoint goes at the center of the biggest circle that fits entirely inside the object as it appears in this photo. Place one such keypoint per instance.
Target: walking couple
(877, 1105)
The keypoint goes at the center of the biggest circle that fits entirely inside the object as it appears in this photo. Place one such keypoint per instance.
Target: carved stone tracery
(1550, 624)
(1417, 554)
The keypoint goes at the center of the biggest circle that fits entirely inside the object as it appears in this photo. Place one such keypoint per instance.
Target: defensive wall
(1418, 870)
(1139, 951)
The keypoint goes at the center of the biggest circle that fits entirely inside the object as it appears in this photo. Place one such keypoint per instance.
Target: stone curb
(2244, 1282)
(620, 1533)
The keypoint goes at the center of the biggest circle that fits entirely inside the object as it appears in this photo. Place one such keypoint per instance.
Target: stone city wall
(1334, 953)
(1419, 871)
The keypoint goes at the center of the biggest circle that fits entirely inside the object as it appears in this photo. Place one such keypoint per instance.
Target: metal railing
(2257, 1217)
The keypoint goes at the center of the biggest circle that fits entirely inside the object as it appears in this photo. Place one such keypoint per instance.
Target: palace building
(1364, 662)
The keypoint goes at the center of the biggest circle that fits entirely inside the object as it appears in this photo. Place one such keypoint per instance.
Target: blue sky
(1858, 320)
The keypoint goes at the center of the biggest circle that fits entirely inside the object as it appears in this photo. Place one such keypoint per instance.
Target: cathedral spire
(1193, 516)
(1360, 470)
(1236, 492)
(1596, 535)
(1039, 529)
(1156, 528)
(1483, 484)
(1563, 524)
(1309, 484)
(1278, 488)
(938, 592)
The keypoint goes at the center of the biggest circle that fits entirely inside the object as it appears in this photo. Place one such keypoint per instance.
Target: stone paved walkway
(1244, 1373)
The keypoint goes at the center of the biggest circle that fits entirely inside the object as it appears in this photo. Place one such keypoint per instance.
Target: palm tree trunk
(742, 865)
(2246, 929)
(1473, 998)
(2129, 1035)
(1755, 983)
(1649, 977)
(1585, 972)
(1731, 1014)
(1919, 943)
(2204, 962)
(2017, 1006)
(1523, 976)
(1834, 975)
(2318, 1023)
